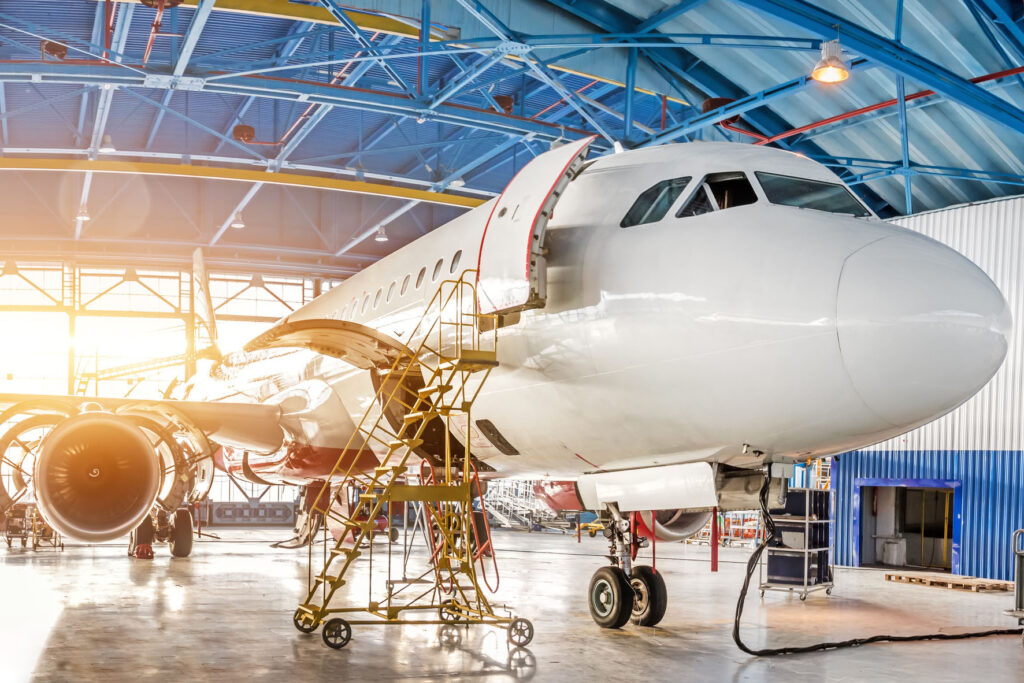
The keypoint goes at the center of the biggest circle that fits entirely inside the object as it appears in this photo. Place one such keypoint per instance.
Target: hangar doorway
(912, 524)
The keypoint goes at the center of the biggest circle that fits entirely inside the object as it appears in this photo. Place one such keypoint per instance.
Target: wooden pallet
(963, 583)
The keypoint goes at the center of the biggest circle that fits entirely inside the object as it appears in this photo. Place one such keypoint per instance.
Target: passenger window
(419, 278)
(652, 205)
(376, 299)
(405, 286)
(437, 269)
(366, 302)
(341, 313)
(719, 191)
(391, 292)
(455, 261)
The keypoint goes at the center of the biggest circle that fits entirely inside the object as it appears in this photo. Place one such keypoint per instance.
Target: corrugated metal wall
(992, 484)
(979, 444)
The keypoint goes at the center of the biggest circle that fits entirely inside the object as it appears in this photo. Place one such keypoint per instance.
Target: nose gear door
(511, 270)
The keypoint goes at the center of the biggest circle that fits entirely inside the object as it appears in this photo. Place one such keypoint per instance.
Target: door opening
(904, 526)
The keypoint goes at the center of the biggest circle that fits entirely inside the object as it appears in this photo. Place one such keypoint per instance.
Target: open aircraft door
(511, 272)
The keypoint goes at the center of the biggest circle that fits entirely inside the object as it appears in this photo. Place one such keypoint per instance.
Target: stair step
(424, 415)
(426, 392)
(344, 551)
(410, 443)
(329, 579)
(394, 470)
(472, 360)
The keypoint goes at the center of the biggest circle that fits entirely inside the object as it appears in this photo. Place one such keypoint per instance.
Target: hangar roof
(385, 116)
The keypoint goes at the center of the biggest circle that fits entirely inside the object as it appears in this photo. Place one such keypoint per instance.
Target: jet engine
(673, 525)
(96, 476)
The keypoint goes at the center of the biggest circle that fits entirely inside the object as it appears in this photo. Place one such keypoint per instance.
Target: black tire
(650, 597)
(301, 623)
(520, 632)
(181, 533)
(336, 633)
(592, 533)
(610, 597)
(393, 534)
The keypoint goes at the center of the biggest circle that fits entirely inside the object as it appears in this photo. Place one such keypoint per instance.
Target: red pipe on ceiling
(880, 105)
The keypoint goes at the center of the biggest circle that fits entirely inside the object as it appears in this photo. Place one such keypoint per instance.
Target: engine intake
(96, 477)
(674, 525)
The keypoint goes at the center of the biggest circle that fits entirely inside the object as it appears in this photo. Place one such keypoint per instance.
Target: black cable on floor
(853, 642)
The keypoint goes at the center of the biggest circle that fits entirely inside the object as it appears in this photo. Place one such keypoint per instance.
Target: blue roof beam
(297, 32)
(340, 14)
(698, 76)
(668, 14)
(295, 91)
(1001, 16)
(464, 80)
(893, 55)
(536, 64)
(195, 29)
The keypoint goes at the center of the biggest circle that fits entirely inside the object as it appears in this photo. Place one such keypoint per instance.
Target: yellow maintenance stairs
(439, 379)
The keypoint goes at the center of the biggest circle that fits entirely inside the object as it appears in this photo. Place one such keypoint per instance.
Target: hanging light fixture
(831, 68)
(381, 235)
(107, 146)
(83, 213)
(236, 221)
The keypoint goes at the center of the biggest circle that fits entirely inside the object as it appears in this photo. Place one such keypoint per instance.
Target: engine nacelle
(96, 477)
(673, 525)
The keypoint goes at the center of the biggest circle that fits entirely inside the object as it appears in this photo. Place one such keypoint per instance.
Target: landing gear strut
(621, 592)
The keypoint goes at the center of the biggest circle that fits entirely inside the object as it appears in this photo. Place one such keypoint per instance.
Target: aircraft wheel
(650, 599)
(610, 597)
(393, 535)
(181, 533)
(337, 633)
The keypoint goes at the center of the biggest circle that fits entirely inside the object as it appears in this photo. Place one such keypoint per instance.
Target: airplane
(677, 323)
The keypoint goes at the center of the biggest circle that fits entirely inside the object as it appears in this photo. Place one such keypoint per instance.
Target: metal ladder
(455, 353)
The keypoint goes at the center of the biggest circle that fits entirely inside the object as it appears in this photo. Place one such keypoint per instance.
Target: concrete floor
(91, 613)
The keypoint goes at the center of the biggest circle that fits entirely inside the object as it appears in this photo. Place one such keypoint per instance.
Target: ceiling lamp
(457, 182)
(236, 221)
(107, 146)
(83, 213)
(381, 235)
(831, 68)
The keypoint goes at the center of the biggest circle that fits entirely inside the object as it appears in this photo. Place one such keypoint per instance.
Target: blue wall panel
(991, 489)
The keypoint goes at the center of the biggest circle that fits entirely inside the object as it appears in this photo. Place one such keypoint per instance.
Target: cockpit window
(810, 194)
(652, 205)
(719, 191)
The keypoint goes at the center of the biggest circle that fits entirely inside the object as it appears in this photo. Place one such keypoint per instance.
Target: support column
(714, 539)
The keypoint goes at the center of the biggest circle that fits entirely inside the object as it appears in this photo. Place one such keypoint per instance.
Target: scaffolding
(513, 504)
(437, 379)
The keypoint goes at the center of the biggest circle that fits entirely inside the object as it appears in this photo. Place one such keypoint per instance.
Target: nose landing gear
(622, 592)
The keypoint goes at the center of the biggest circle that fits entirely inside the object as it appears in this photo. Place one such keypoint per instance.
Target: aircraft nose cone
(921, 328)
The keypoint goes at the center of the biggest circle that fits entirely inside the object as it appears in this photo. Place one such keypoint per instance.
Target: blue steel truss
(457, 109)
